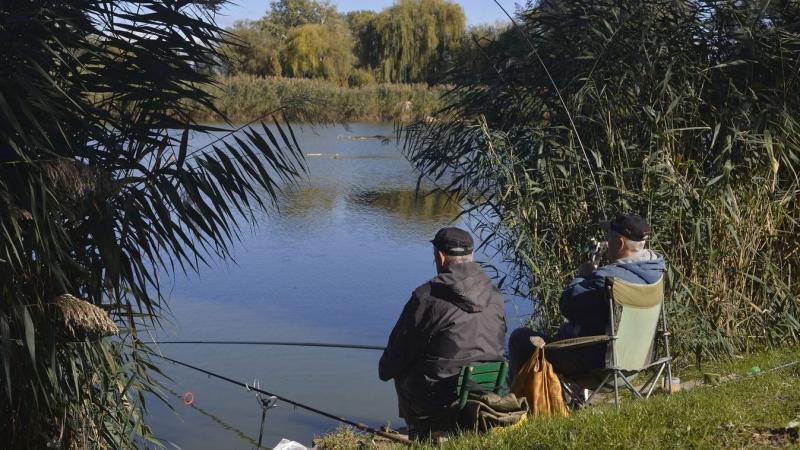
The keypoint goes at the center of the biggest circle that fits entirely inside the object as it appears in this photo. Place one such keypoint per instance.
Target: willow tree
(255, 50)
(101, 191)
(319, 51)
(683, 111)
(415, 37)
(362, 27)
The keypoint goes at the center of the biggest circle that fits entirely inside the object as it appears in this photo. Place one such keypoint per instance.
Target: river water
(337, 264)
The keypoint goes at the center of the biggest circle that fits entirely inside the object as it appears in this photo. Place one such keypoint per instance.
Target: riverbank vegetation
(101, 198)
(358, 66)
(412, 41)
(685, 112)
(243, 98)
(747, 411)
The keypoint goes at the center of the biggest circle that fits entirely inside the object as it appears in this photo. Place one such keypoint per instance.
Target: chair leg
(655, 381)
(616, 390)
(575, 401)
(669, 375)
(600, 386)
(666, 334)
(631, 386)
(651, 382)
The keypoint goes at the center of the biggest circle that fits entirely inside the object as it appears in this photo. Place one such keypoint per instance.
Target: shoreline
(246, 98)
(739, 412)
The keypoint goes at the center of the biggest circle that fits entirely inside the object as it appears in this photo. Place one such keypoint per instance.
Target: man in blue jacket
(584, 303)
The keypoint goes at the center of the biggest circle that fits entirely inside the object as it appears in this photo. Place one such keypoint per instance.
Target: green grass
(747, 412)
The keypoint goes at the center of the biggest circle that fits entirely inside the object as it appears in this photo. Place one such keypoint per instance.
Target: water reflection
(309, 199)
(408, 205)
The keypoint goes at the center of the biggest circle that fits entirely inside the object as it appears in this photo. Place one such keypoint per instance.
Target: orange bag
(537, 382)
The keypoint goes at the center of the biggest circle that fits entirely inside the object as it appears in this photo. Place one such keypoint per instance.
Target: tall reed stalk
(689, 114)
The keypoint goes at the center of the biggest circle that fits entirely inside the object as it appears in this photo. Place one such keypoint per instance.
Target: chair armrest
(577, 342)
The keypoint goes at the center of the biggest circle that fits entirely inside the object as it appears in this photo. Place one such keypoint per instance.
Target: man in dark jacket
(453, 320)
(584, 303)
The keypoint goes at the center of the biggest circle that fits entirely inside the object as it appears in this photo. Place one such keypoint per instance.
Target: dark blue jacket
(584, 302)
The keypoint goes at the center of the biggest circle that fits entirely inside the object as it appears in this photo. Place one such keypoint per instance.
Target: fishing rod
(276, 343)
(217, 420)
(563, 105)
(357, 425)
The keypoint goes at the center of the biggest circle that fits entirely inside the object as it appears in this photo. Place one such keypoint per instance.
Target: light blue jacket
(584, 302)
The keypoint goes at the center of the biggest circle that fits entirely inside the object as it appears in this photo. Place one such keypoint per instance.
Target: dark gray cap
(632, 226)
(453, 241)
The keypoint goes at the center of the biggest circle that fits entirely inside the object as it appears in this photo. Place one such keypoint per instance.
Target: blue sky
(477, 11)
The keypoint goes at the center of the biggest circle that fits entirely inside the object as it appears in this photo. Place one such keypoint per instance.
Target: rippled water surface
(336, 265)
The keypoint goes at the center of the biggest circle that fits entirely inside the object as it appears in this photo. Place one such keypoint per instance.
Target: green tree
(255, 51)
(362, 27)
(288, 14)
(682, 111)
(101, 194)
(415, 38)
(471, 56)
(319, 51)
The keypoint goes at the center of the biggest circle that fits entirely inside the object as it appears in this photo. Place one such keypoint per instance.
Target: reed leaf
(100, 193)
(688, 114)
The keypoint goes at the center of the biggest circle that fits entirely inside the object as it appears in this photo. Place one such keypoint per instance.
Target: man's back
(583, 301)
(453, 320)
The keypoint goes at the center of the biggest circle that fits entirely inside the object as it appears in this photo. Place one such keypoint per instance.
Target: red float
(188, 398)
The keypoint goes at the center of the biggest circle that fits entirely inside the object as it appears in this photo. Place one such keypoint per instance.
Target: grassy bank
(746, 412)
(245, 98)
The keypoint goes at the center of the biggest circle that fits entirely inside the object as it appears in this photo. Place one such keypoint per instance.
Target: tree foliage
(319, 51)
(287, 14)
(471, 57)
(256, 51)
(414, 39)
(684, 111)
(362, 27)
(100, 192)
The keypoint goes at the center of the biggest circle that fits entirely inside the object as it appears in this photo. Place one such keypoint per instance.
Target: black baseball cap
(453, 241)
(632, 226)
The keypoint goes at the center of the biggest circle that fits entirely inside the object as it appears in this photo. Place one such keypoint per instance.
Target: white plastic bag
(286, 444)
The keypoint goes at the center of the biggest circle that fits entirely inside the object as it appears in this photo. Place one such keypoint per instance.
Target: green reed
(688, 113)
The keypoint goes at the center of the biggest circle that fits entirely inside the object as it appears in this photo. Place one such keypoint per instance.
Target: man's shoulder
(634, 272)
(422, 292)
(426, 296)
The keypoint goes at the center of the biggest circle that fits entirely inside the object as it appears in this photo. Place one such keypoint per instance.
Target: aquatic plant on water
(685, 112)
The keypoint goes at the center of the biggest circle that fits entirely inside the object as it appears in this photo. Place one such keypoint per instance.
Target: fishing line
(216, 419)
(278, 343)
(357, 425)
(236, 130)
(563, 104)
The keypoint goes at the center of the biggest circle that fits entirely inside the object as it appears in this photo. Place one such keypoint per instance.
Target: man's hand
(586, 269)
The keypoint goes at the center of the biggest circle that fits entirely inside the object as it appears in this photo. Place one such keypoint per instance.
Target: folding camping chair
(489, 377)
(477, 377)
(631, 344)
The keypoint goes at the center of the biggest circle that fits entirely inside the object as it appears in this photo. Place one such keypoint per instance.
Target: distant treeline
(243, 98)
(413, 41)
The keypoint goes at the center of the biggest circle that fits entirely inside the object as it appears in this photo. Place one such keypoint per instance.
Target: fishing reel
(594, 250)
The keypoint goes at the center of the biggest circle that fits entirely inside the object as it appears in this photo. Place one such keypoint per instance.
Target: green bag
(485, 411)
